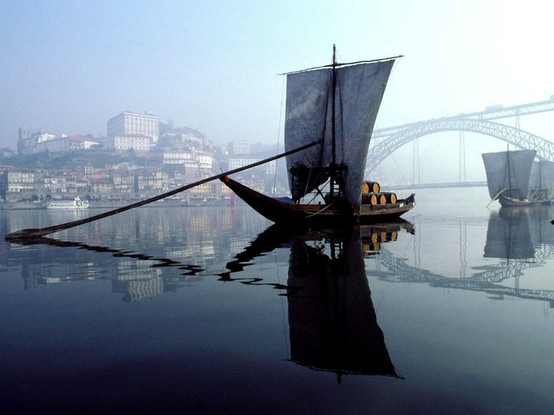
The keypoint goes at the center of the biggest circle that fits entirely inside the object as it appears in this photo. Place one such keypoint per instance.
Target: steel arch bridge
(511, 135)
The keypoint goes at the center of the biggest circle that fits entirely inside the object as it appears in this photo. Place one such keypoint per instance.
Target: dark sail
(358, 94)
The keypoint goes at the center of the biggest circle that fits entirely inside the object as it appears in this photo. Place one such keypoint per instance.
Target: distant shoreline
(107, 204)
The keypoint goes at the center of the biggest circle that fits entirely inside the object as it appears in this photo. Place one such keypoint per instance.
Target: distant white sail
(358, 95)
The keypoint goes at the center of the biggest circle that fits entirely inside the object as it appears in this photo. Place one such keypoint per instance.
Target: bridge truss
(478, 122)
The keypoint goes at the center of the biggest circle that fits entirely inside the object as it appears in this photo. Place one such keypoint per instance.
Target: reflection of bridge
(477, 122)
(514, 237)
(399, 271)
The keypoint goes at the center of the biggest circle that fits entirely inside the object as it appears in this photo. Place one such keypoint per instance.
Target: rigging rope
(279, 130)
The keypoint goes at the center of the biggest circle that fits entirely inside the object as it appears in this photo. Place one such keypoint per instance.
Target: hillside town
(139, 157)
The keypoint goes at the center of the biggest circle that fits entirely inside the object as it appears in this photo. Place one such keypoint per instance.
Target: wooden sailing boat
(509, 177)
(334, 107)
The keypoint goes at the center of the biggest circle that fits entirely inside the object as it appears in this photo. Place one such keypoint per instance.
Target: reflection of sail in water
(508, 235)
(517, 237)
(333, 325)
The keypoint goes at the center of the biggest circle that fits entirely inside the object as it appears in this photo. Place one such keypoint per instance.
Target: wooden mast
(511, 192)
(333, 128)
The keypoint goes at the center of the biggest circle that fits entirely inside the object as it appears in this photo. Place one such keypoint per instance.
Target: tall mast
(333, 124)
(333, 105)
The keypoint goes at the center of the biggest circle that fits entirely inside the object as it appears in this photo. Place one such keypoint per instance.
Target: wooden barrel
(369, 198)
(371, 187)
(382, 199)
(391, 197)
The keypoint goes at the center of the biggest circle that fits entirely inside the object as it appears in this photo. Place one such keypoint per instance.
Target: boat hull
(279, 211)
(513, 202)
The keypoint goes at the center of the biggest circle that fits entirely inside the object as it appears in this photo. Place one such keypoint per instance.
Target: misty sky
(69, 66)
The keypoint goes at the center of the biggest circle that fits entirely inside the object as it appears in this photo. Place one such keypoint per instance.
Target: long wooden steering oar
(32, 233)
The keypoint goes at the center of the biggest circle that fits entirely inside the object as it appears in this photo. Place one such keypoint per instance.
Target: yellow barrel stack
(371, 187)
(372, 195)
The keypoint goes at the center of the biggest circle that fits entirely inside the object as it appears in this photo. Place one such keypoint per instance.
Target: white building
(177, 157)
(189, 159)
(136, 124)
(64, 143)
(21, 181)
(80, 142)
(238, 147)
(205, 161)
(235, 163)
(42, 137)
(137, 142)
(35, 142)
(40, 142)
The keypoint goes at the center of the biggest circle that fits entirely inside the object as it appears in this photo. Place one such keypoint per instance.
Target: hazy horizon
(70, 66)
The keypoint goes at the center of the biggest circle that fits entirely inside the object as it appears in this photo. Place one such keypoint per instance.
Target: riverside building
(133, 124)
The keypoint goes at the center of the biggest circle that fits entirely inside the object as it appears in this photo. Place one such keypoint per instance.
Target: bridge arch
(511, 135)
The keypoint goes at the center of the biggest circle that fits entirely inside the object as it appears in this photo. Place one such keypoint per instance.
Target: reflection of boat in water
(520, 240)
(333, 325)
(514, 179)
(76, 203)
(332, 111)
(520, 234)
(508, 235)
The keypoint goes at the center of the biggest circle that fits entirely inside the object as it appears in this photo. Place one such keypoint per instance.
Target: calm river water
(211, 310)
